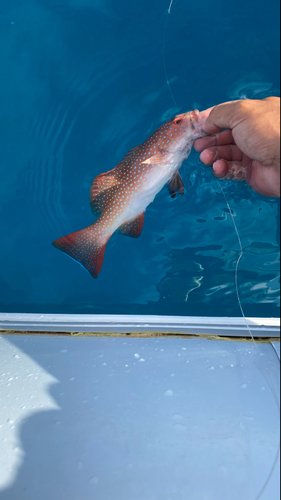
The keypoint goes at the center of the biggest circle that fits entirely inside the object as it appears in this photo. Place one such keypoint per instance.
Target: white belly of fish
(150, 188)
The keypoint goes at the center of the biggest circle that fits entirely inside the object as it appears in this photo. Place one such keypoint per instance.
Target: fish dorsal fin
(101, 190)
(133, 227)
(132, 152)
(131, 155)
(176, 185)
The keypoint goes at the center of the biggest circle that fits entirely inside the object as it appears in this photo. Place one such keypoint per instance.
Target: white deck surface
(137, 419)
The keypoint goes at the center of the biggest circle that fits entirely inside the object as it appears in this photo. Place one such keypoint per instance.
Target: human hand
(249, 149)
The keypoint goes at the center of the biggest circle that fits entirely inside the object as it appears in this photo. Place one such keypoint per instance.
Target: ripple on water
(51, 130)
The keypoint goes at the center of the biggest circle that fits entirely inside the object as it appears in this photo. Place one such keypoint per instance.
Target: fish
(120, 196)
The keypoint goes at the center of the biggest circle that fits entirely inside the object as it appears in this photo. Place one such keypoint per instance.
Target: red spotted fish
(121, 196)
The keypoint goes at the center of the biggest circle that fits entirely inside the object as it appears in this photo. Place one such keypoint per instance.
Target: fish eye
(178, 121)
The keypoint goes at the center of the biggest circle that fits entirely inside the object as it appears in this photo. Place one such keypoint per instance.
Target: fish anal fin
(154, 160)
(85, 247)
(100, 191)
(176, 185)
(133, 227)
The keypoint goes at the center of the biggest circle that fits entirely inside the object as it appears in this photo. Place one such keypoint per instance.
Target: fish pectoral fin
(99, 194)
(133, 227)
(154, 160)
(176, 185)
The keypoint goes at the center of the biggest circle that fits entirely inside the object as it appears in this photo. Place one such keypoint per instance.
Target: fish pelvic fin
(133, 227)
(101, 191)
(87, 247)
(176, 185)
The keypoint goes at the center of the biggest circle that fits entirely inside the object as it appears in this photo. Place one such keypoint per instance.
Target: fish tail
(86, 247)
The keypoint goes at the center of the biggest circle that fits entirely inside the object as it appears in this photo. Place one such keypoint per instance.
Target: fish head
(181, 131)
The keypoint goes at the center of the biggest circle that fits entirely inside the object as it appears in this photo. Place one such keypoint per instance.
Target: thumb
(221, 117)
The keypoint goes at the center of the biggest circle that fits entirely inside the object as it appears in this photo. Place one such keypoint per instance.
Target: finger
(221, 139)
(221, 116)
(230, 170)
(229, 153)
(204, 114)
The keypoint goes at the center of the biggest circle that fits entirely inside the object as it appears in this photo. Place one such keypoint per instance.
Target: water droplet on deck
(248, 418)
(63, 351)
(94, 480)
(168, 393)
(141, 360)
(137, 356)
(180, 427)
(16, 356)
(71, 379)
(244, 386)
(223, 471)
(177, 417)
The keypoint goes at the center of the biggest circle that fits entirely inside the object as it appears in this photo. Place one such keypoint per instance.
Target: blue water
(82, 82)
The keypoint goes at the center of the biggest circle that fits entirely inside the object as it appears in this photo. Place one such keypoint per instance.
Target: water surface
(82, 82)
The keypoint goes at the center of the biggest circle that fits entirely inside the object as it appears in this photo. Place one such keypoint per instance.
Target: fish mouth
(197, 121)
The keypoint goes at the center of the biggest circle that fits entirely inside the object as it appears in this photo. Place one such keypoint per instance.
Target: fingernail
(217, 170)
(215, 151)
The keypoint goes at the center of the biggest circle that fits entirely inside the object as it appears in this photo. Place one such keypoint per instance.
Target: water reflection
(214, 276)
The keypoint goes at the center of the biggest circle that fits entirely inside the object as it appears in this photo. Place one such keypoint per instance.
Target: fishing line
(171, 4)
(266, 374)
(164, 56)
